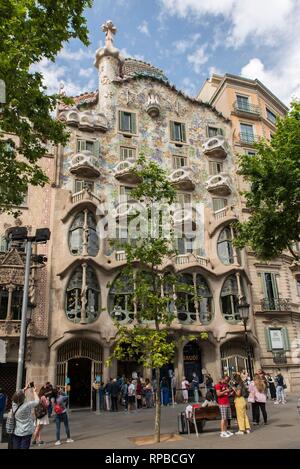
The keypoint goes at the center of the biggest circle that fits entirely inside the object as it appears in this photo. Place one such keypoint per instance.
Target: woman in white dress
(185, 389)
(41, 420)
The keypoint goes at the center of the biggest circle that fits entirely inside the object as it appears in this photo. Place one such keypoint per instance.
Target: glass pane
(90, 146)
(3, 303)
(93, 243)
(177, 132)
(75, 241)
(16, 305)
(212, 131)
(243, 102)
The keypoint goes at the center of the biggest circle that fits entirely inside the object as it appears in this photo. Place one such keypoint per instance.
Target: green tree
(149, 341)
(274, 195)
(31, 30)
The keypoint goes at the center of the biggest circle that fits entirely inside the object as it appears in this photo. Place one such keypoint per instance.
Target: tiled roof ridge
(143, 62)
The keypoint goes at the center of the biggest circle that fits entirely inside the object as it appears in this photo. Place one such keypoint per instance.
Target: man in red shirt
(223, 392)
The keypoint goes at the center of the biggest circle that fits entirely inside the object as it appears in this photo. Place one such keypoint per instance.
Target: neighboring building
(35, 212)
(253, 109)
(137, 109)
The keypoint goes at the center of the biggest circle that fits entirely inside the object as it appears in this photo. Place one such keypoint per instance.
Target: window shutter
(133, 123)
(183, 133)
(285, 339)
(96, 149)
(263, 281)
(274, 285)
(268, 339)
(81, 145)
(220, 131)
(172, 130)
(2, 243)
(121, 120)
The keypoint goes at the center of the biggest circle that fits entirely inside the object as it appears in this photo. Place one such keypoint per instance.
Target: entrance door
(192, 361)
(79, 373)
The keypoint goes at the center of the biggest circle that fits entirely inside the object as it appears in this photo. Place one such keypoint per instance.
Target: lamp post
(29, 311)
(42, 235)
(244, 310)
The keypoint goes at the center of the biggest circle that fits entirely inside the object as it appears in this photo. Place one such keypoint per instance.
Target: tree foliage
(274, 198)
(31, 30)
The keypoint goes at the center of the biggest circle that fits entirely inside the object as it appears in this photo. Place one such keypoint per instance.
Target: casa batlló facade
(73, 330)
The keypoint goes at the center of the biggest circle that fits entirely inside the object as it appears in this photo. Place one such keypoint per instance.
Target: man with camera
(223, 392)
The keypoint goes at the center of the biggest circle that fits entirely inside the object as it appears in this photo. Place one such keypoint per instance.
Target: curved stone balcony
(152, 106)
(182, 178)
(216, 146)
(124, 171)
(187, 317)
(85, 164)
(86, 120)
(219, 184)
(191, 258)
(122, 316)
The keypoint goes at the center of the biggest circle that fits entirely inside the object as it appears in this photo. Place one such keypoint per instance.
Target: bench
(201, 414)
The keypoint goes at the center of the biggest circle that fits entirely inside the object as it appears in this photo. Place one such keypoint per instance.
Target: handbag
(11, 421)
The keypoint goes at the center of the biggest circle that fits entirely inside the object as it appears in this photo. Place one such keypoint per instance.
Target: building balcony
(10, 328)
(216, 146)
(124, 171)
(279, 358)
(249, 110)
(275, 304)
(85, 164)
(182, 179)
(187, 317)
(85, 194)
(219, 184)
(120, 256)
(191, 258)
(248, 140)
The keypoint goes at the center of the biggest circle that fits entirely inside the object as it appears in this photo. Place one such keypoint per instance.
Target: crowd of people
(136, 393)
(234, 393)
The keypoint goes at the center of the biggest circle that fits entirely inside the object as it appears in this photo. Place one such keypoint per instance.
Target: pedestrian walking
(241, 412)
(185, 389)
(124, 393)
(114, 391)
(164, 389)
(23, 402)
(272, 388)
(258, 398)
(195, 387)
(139, 392)
(3, 400)
(279, 383)
(61, 416)
(131, 396)
(41, 417)
(173, 384)
(148, 390)
(108, 394)
(223, 392)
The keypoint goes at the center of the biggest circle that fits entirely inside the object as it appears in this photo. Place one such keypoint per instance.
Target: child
(241, 412)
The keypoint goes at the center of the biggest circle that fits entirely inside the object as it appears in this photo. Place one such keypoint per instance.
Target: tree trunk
(158, 407)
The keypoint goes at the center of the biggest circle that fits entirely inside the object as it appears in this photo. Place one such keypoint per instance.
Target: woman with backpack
(41, 414)
(23, 427)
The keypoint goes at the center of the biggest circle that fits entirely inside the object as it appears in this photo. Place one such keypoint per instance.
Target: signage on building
(276, 339)
(2, 351)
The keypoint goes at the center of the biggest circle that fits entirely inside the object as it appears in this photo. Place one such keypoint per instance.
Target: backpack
(40, 411)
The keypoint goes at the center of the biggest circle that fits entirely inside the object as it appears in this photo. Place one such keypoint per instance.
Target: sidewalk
(113, 430)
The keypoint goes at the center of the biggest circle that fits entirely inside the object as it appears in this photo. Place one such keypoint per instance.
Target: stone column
(83, 294)
(179, 364)
(106, 370)
(235, 256)
(9, 303)
(52, 367)
(239, 285)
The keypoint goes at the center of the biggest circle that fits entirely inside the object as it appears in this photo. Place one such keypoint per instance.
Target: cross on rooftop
(110, 30)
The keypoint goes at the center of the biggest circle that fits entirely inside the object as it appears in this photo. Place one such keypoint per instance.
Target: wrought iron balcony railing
(248, 139)
(279, 357)
(247, 108)
(275, 304)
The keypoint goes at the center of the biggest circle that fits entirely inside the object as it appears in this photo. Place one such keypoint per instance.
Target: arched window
(82, 296)
(225, 249)
(83, 237)
(206, 305)
(229, 300)
(16, 303)
(185, 304)
(120, 300)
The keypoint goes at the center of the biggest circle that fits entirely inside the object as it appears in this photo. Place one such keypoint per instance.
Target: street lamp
(30, 307)
(42, 235)
(244, 311)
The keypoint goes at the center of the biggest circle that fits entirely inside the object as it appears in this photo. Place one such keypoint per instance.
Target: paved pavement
(113, 430)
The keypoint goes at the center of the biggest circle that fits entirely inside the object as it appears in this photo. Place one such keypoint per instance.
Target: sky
(190, 40)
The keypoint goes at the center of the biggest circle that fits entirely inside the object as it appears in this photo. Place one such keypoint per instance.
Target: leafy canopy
(31, 30)
(274, 198)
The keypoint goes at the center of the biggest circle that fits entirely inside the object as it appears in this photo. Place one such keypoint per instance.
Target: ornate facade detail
(153, 105)
(183, 179)
(123, 171)
(89, 121)
(216, 146)
(85, 164)
(219, 184)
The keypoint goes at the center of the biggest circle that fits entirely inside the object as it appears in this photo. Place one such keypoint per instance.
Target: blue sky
(190, 39)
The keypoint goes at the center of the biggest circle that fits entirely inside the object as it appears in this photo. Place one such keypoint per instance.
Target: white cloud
(143, 28)
(126, 54)
(78, 55)
(188, 86)
(266, 19)
(183, 45)
(54, 74)
(86, 72)
(198, 58)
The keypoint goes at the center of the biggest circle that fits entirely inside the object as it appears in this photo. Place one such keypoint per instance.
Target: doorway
(192, 361)
(79, 373)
